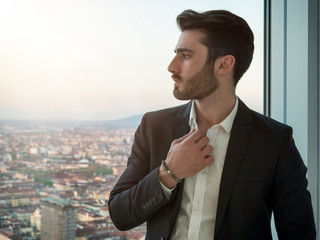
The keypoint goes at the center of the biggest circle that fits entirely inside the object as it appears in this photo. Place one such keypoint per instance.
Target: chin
(180, 96)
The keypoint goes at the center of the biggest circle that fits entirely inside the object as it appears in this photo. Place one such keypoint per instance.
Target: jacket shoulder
(260, 122)
(268, 123)
(168, 114)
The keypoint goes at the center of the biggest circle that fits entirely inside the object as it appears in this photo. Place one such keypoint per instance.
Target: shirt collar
(226, 123)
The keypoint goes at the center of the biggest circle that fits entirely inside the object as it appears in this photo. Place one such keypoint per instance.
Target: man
(212, 168)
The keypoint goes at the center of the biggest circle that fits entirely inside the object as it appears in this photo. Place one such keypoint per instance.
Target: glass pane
(68, 70)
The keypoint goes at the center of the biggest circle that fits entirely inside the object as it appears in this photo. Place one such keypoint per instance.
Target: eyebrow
(183, 50)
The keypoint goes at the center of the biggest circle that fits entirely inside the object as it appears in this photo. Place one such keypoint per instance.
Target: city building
(58, 220)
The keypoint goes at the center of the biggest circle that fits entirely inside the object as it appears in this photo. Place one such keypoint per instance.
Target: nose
(172, 68)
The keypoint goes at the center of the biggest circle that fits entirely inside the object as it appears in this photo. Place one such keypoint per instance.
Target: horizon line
(69, 119)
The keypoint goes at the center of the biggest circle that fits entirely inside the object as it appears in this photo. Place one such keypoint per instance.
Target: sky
(102, 59)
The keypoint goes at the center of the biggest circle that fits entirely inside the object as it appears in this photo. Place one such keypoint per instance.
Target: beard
(203, 84)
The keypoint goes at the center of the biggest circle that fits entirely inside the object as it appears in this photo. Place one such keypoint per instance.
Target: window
(68, 69)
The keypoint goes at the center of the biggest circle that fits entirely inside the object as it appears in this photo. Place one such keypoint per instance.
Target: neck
(214, 109)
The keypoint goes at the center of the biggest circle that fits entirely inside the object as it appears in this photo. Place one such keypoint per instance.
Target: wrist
(172, 175)
(165, 178)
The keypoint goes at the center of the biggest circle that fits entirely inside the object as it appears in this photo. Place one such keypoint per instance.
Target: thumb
(179, 140)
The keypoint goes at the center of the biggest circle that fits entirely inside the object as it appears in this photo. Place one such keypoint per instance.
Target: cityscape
(56, 178)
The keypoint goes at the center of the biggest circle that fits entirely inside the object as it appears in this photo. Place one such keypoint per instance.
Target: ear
(225, 64)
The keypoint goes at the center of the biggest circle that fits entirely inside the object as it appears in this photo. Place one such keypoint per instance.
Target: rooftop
(57, 201)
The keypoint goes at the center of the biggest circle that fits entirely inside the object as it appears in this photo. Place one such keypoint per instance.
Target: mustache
(176, 76)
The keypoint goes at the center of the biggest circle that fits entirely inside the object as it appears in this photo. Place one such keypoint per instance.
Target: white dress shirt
(197, 215)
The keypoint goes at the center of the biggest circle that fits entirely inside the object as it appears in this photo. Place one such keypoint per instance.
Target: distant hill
(130, 122)
(48, 125)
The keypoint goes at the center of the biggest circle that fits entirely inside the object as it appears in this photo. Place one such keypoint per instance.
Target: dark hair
(226, 33)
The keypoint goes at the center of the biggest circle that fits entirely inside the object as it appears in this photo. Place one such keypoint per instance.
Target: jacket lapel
(238, 141)
(180, 128)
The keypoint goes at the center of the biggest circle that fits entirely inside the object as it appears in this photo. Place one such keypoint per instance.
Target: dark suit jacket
(263, 173)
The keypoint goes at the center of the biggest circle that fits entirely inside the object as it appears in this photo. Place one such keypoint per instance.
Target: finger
(208, 160)
(202, 142)
(195, 136)
(206, 151)
(178, 140)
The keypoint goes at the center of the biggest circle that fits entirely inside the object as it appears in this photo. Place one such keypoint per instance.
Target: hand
(187, 156)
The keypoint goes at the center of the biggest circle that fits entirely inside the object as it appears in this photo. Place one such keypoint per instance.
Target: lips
(177, 79)
(176, 83)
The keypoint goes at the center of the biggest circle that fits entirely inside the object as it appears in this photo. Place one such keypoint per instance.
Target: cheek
(191, 70)
(196, 65)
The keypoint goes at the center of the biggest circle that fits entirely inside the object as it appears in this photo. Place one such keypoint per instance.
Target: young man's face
(193, 78)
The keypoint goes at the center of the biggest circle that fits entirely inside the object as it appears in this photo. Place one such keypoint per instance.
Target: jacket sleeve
(137, 194)
(291, 200)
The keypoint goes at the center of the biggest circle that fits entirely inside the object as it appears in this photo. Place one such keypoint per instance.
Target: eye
(185, 56)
